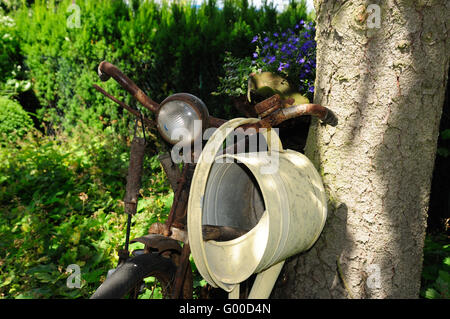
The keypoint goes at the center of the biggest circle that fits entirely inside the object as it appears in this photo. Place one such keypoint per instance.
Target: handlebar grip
(323, 113)
(103, 76)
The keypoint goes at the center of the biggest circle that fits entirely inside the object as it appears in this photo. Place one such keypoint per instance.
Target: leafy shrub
(14, 76)
(14, 120)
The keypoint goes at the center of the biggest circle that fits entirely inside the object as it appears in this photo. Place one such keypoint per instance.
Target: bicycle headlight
(182, 118)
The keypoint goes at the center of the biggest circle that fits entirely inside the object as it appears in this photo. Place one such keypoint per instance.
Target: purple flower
(312, 63)
(290, 51)
(255, 38)
(308, 44)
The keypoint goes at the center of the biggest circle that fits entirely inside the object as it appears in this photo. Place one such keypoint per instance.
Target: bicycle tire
(132, 273)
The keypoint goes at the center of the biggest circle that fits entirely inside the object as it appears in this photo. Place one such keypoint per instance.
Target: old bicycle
(166, 248)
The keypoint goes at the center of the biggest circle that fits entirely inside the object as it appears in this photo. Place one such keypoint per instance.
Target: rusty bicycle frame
(164, 238)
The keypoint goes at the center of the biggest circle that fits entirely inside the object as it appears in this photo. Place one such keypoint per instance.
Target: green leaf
(93, 276)
(143, 203)
(447, 261)
(24, 296)
(431, 293)
(7, 281)
(44, 277)
(97, 258)
(444, 277)
(42, 268)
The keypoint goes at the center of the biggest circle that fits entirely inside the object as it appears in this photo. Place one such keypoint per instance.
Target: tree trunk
(386, 85)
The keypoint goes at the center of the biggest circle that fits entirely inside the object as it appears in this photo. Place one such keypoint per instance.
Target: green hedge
(164, 48)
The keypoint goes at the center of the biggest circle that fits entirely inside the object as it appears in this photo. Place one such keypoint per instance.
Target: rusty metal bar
(221, 233)
(305, 109)
(107, 70)
(125, 106)
(177, 215)
(215, 122)
(273, 113)
(268, 106)
(172, 170)
(182, 286)
(175, 233)
(137, 154)
(317, 110)
(243, 105)
(281, 115)
(158, 242)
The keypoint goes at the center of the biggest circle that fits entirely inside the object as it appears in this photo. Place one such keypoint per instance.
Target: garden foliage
(291, 53)
(61, 204)
(165, 49)
(61, 194)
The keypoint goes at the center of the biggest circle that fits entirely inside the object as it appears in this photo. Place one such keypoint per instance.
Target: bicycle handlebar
(270, 109)
(107, 70)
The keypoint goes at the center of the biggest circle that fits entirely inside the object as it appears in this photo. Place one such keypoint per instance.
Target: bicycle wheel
(129, 276)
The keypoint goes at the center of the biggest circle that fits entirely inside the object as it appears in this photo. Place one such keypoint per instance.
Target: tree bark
(386, 85)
